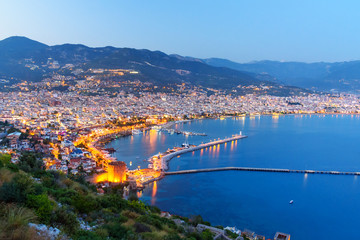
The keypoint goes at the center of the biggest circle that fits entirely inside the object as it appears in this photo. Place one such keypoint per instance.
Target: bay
(325, 206)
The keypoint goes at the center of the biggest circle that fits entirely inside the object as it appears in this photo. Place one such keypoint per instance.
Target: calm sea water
(325, 206)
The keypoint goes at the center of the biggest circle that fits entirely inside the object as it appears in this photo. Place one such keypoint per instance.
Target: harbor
(166, 158)
(267, 191)
(159, 164)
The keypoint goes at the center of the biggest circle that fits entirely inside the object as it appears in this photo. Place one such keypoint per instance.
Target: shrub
(86, 235)
(172, 236)
(130, 214)
(118, 232)
(5, 159)
(207, 235)
(84, 204)
(114, 200)
(138, 207)
(140, 228)
(151, 220)
(66, 220)
(231, 234)
(42, 205)
(9, 192)
(102, 232)
(154, 209)
(18, 189)
(13, 167)
(29, 162)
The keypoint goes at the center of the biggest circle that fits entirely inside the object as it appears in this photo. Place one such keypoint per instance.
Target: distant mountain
(340, 76)
(14, 49)
(17, 47)
(25, 59)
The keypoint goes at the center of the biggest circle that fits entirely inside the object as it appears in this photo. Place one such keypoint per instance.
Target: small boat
(185, 145)
(136, 131)
(291, 201)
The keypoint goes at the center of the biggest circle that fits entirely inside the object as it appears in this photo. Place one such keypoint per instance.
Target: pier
(261, 170)
(165, 159)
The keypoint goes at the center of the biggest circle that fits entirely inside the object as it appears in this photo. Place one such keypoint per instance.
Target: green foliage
(118, 231)
(14, 222)
(5, 159)
(66, 220)
(113, 216)
(85, 204)
(172, 236)
(10, 192)
(156, 221)
(151, 220)
(17, 189)
(13, 167)
(30, 162)
(206, 235)
(154, 209)
(114, 200)
(42, 205)
(231, 234)
(87, 235)
(194, 236)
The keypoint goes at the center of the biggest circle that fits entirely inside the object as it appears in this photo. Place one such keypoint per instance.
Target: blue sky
(239, 30)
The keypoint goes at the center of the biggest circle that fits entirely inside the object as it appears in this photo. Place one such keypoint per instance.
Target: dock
(261, 170)
(168, 157)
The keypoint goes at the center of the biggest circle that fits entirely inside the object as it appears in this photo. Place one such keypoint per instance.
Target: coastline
(166, 159)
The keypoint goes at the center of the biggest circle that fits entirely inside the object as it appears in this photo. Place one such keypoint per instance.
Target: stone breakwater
(261, 170)
(165, 159)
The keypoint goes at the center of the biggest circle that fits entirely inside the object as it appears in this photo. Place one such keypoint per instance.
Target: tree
(30, 163)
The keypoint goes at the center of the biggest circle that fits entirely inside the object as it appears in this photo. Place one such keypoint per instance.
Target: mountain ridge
(339, 76)
(18, 53)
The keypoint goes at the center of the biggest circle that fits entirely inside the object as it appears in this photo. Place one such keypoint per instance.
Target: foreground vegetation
(29, 194)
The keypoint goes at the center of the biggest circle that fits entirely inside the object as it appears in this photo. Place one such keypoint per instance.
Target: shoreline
(164, 166)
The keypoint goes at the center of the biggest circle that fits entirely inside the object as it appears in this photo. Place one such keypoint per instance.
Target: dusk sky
(306, 30)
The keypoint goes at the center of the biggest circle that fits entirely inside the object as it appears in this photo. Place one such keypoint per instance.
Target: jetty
(260, 170)
(165, 159)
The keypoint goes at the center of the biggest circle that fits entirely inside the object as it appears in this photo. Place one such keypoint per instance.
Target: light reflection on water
(260, 201)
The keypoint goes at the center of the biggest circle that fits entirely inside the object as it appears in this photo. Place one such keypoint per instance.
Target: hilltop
(23, 59)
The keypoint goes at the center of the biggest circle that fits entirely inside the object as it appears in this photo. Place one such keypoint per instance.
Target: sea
(324, 206)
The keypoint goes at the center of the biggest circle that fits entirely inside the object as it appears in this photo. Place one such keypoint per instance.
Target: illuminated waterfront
(260, 201)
